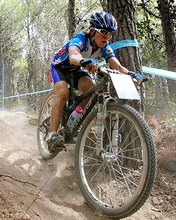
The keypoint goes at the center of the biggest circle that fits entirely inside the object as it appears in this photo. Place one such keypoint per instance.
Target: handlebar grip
(138, 76)
(145, 79)
(84, 62)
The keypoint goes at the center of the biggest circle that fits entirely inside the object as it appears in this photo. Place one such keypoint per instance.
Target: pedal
(65, 147)
(58, 149)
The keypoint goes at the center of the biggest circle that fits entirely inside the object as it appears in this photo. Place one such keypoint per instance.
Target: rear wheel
(43, 126)
(117, 181)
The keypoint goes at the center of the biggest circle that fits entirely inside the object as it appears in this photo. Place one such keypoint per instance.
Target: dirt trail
(32, 188)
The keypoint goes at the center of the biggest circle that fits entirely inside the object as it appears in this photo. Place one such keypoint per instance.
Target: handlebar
(138, 76)
(84, 62)
(103, 70)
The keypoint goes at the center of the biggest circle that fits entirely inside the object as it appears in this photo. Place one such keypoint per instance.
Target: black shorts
(65, 74)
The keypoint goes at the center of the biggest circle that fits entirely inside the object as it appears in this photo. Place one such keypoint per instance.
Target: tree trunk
(71, 18)
(124, 12)
(104, 5)
(30, 59)
(164, 7)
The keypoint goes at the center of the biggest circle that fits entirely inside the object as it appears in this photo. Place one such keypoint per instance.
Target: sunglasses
(104, 32)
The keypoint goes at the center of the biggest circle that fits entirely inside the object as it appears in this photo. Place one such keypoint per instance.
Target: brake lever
(145, 80)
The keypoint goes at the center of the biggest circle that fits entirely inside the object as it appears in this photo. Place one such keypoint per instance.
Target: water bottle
(74, 116)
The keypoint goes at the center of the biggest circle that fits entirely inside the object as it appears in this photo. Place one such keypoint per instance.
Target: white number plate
(124, 86)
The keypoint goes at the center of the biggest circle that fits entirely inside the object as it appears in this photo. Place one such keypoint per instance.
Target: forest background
(31, 31)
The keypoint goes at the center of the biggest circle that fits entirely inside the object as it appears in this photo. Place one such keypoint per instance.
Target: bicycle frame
(95, 92)
(115, 156)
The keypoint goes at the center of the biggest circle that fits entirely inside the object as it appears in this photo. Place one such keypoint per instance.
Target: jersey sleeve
(78, 41)
(107, 52)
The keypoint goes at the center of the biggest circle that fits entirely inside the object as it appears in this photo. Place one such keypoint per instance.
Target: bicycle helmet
(103, 20)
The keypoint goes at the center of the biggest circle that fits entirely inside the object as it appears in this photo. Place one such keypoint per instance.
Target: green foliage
(172, 106)
(31, 31)
(171, 119)
(150, 34)
(83, 11)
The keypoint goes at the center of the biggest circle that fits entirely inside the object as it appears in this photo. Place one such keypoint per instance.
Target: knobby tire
(45, 112)
(116, 187)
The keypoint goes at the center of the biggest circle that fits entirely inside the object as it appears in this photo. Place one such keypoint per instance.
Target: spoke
(95, 174)
(110, 131)
(92, 166)
(129, 142)
(124, 176)
(102, 178)
(133, 171)
(117, 183)
(91, 140)
(91, 158)
(112, 166)
(131, 181)
(110, 176)
(131, 158)
(110, 142)
(105, 181)
(90, 147)
(103, 170)
(132, 149)
(95, 135)
(122, 124)
(127, 138)
(110, 183)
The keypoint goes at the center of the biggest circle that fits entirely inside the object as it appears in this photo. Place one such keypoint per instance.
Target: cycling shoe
(56, 142)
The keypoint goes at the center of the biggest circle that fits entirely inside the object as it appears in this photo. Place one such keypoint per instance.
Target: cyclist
(81, 51)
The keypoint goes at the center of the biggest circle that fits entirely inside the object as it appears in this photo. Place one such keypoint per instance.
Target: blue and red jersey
(82, 41)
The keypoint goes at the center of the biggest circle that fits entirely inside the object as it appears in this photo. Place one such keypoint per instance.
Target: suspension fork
(103, 102)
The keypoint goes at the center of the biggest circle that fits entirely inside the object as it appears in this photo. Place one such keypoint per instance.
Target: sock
(52, 134)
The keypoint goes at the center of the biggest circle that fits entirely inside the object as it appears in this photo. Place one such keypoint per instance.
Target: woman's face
(100, 39)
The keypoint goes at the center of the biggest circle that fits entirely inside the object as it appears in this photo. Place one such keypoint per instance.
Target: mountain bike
(115, 156)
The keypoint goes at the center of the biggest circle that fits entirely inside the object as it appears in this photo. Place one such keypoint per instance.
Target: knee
(62, 94)
(85, 84)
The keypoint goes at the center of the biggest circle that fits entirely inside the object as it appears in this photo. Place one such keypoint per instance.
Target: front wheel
(117, 181)
(44, 125)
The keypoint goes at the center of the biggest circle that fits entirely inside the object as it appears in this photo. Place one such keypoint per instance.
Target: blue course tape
(145, 69)
(124, 43)
(3, 104)
(120, 44)
(25, 94)
(114, 46)
(159, 72)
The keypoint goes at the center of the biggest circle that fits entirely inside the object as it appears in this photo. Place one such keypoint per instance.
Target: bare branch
(15, 179)
(143, 6)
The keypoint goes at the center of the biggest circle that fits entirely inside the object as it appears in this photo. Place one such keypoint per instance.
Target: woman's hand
(89, 64)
